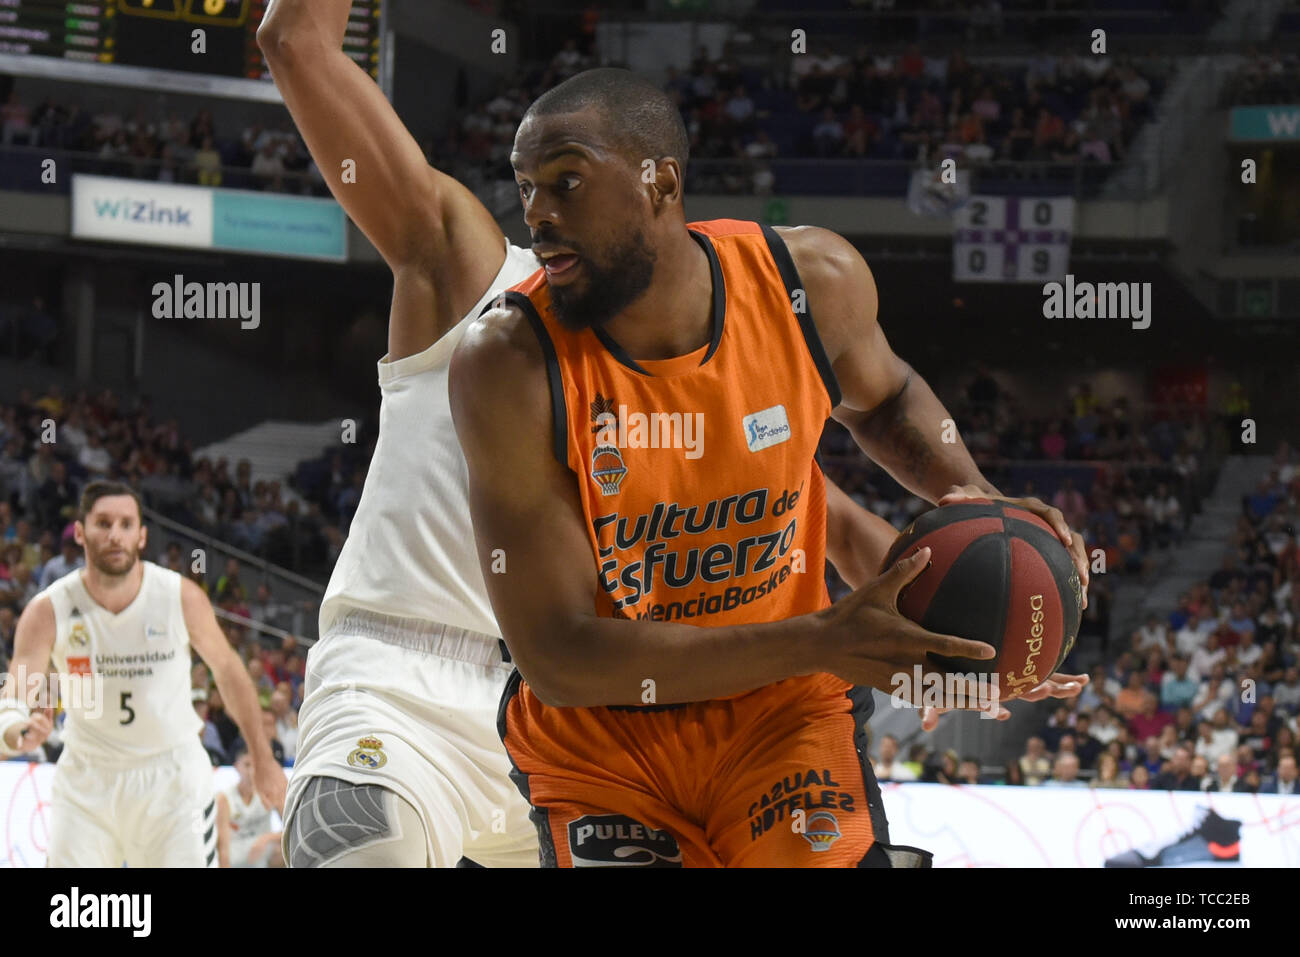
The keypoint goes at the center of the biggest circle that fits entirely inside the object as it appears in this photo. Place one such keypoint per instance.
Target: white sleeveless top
(410, 549)
(251, 819)
(125, 677)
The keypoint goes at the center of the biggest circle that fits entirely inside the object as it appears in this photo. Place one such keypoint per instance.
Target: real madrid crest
(79, 637)
(369, 754)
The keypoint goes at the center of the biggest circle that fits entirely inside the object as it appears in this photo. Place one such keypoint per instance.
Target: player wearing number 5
(133, 783)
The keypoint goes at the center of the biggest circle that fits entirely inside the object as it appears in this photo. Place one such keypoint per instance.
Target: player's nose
(539, 214)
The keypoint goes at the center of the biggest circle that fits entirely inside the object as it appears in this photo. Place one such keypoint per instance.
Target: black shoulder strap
(794, 289)
(559, 411)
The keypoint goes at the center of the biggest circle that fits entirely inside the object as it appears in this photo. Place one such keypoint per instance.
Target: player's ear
(666, 181)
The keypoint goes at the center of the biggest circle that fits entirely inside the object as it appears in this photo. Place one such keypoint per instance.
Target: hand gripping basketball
(872, 643)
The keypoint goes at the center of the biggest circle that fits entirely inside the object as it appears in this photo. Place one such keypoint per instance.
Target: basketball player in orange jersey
(409, 664)
(639, 739)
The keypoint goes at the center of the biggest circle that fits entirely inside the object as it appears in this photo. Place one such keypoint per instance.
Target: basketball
(1000, 575)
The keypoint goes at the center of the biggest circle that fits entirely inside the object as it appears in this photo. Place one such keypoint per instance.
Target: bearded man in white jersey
(133, 783)
(399, 759)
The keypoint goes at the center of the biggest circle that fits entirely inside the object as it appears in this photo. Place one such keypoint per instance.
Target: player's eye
(525, 189)
(570, 183)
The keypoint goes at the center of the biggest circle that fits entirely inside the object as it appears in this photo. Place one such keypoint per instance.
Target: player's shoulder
(501, 340)
(820, 251)
(40, 612)
(192, 594)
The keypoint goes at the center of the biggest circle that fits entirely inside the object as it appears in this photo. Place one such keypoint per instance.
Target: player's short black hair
(638, 116)
(102, 488)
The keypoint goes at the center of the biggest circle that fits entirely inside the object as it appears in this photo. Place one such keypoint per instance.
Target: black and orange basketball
(1000, 575)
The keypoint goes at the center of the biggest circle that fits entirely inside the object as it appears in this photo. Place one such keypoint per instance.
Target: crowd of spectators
(167, 148)
(1205, 698)
(1054, 109)
(1128, 481)
(1264, 79)
(51, 446)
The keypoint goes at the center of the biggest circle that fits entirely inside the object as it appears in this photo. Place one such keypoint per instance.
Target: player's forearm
(905, 434)
(611, 661)
(288, 24)
(857, 541)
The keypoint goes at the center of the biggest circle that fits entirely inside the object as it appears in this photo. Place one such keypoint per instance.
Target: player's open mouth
(561, 265)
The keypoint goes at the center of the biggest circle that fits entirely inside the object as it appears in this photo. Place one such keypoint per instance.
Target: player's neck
(113, 592)
(673, 317)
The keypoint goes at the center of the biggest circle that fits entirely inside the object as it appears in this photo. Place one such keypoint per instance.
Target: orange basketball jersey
(703, 502)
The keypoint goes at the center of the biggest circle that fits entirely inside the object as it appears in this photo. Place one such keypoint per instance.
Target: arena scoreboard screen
(152, 43)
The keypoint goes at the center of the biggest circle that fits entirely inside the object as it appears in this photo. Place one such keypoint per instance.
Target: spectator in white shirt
(1215, 693)
(1225, 734)
(94, 458)
(1204, 659)
(1192, 635)
(889, 768)
(1225, 777)
(1154, 634)
(1210, 746)
(1163, 509)
(1104, 727)
(1248, 652)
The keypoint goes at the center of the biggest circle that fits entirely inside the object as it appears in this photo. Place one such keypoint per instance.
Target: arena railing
(841, 176)
(21, 169)
(301, 594)
(891, 29)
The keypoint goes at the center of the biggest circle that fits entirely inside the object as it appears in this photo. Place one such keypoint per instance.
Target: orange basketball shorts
(777, 777)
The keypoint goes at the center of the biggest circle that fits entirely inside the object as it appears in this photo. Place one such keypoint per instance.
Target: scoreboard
(153, 44)
(1012, 239)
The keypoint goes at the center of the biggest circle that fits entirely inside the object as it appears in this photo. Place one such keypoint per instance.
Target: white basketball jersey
(125, 677)
(410, 550)
(251, 819)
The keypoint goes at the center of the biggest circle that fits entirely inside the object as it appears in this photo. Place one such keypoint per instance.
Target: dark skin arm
(545, 601)
(891, 412)
(406, 208)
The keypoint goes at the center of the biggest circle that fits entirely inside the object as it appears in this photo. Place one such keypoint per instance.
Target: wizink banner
(164, 214)
(1255, 123)
(1046, 826)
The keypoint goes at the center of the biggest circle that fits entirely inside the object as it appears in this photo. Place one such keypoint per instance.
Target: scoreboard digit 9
(152, 43)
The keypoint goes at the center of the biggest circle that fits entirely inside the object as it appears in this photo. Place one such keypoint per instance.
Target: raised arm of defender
(524, 504)
(403, 205)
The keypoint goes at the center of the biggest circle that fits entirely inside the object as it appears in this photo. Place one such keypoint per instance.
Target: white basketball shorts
(159, 812)
(412, 706)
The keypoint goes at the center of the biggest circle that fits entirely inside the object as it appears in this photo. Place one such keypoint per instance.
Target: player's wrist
(14, 716)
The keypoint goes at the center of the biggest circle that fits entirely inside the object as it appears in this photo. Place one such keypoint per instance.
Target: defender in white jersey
(399, 762)
(133, 784)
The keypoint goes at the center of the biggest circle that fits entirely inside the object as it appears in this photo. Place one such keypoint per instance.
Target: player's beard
(113, 566)
(605, 290)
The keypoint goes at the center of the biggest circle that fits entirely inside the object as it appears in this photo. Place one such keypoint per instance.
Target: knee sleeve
(339, 824)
